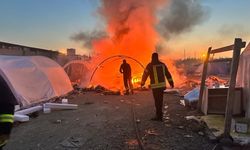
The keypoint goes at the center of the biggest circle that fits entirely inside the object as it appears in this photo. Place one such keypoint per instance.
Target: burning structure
(135, 28)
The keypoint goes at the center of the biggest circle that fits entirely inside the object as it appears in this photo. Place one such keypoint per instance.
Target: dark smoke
(118, 12)
(88, 37)
(181, 16)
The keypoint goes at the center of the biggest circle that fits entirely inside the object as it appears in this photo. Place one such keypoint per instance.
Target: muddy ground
(105, 122)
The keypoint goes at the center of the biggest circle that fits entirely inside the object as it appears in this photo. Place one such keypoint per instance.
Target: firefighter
(157, 71)
(7, 107)
(125, 69)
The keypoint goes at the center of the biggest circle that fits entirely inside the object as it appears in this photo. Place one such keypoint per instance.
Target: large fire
(131, 32)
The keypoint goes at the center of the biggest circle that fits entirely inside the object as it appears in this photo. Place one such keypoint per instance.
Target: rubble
(102, 90)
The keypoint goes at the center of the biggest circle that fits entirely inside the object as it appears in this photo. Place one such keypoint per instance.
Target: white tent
(78, 72)
(34, 79)
(243, 78)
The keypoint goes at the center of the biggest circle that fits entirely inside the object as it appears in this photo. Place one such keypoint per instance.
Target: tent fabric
(34, 79)
(243, 78)
(78, 72)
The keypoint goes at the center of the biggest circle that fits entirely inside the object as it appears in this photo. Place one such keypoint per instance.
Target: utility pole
(184, 54)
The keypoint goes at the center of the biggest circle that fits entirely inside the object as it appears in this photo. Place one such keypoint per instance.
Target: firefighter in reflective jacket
(7, 106)
(157, 71)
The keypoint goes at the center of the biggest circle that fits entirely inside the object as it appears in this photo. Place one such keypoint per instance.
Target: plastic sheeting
(34, 79)
(193, 95)
(243, 78)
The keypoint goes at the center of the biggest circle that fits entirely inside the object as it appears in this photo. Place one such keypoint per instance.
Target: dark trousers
(158, 97)
(127, 83)
(5, 127)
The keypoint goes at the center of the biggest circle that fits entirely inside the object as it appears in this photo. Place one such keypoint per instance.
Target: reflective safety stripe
(155, 74)
(7, 118)
(159, 85)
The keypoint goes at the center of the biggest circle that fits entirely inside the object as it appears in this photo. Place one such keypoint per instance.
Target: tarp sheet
(243, 78)
(34, 79)
(193, 95)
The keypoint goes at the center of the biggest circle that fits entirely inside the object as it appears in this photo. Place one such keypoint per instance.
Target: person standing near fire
(125, 69)
(7, 107)
(157, 71)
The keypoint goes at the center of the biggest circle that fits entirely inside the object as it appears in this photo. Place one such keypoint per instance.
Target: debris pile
(101, 89)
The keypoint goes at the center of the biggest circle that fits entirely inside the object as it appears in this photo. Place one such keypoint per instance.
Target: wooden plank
(222, 49)
(231, 91)
(203, 78)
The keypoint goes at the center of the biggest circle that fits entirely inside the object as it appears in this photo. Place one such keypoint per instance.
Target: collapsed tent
(77, 72)
(243, 78)
(34, 79)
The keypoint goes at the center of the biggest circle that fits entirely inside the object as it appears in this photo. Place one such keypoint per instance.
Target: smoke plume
(181, 16)
(87, 38)
(130, 30)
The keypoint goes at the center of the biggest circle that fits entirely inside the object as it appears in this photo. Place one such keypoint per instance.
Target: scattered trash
(138, 121)
(168, 125)
(64, 101)
(102, 90)
(181, 127)
(58, 121)
(201, 133)
(182, 102)
(166, 117)
(72, 142)
(151, 132)
(188, 136)
(193, 118)
(132, 144)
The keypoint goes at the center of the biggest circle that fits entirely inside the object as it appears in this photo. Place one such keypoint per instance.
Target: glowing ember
(136, 80)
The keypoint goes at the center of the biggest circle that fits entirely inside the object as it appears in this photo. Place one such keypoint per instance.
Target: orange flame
(130, 26)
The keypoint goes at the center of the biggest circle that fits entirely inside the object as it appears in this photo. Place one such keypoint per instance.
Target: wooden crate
(214, 101)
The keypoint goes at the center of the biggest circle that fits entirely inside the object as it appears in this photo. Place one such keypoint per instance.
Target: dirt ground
(105, 122)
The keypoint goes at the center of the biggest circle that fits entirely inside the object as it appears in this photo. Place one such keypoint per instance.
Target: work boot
(127, 92)
(132, 91)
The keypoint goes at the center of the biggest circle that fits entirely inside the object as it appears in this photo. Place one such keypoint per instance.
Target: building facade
(20, 50)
